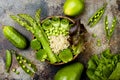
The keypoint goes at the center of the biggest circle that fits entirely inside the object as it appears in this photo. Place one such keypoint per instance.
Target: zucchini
(15, 37)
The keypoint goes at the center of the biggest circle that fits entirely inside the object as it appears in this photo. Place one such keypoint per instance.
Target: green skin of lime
(73, 7)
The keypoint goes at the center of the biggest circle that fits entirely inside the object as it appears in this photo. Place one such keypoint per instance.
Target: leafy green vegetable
(92, 65)
(77, 48)
(116, 73)
(66, 55)
(101, 68)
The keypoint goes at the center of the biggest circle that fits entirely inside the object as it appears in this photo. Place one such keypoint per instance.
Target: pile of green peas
(55, 31)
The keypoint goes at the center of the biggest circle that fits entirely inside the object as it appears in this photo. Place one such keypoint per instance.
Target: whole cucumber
(14, 37)
(8, 60)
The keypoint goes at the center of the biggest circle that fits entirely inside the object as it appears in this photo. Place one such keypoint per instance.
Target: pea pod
(113, 26)
(8, 60)
(97, 16)
(109, 30)
(25, 64)
(14, 37)
(22, 60)
(106, 27)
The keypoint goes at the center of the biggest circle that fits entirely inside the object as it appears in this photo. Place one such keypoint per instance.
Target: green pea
(98, 42)
(94, 35)
(17, 72)
(13, 70)
(24, 61)
(112, 25)
(29, 65)
(17, 57)
(106, 28)
(96, 16)
(21, 58)
(106, 22)
(111, 31)
(20, 62)
(23, 66)
(28, 70)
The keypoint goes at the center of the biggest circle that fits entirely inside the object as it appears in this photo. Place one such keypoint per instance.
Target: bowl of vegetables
(57, 39)
(64, 40)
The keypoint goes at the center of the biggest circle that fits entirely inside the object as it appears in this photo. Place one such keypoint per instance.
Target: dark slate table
(50, 8)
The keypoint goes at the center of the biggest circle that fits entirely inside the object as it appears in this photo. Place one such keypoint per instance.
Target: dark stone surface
(50, 8)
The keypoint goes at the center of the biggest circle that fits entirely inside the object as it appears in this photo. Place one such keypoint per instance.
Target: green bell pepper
(70, 72)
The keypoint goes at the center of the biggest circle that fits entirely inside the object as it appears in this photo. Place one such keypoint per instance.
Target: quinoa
(58, 43)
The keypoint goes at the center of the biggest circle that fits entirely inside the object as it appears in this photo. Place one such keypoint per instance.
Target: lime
(73, 7)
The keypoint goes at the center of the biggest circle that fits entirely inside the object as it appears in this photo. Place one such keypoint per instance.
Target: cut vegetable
(66, 55)
(41, 55)
(65, 24)
(56, 22)
(46, 25)
(35, 44)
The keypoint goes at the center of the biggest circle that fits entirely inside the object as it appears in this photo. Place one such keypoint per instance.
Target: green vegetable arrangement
(51, 37)
(33, 26)
(104, 67)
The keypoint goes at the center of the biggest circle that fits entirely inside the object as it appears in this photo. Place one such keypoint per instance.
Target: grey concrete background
(54, 7)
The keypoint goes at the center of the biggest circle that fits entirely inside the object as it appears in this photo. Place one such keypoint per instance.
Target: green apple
(73, 7)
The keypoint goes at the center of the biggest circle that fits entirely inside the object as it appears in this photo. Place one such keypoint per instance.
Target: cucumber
(8, 60)
(18, 40)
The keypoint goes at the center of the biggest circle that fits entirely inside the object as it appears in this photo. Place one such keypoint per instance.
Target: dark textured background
(54, 7)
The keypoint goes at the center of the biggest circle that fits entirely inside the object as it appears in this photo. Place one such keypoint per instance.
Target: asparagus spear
(37, 18)
(22, 23)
